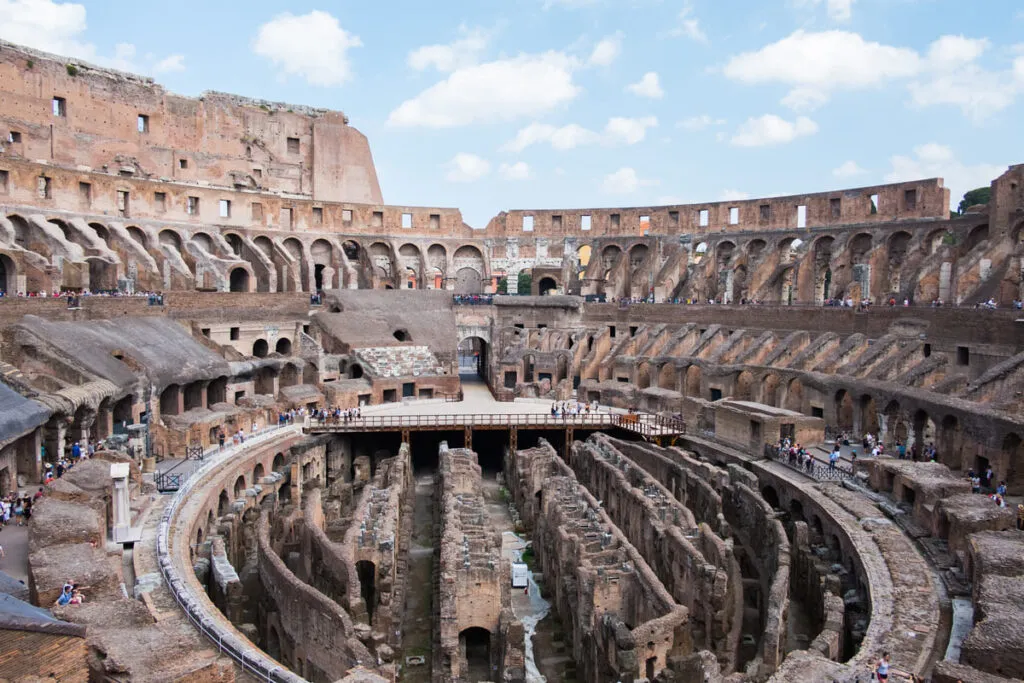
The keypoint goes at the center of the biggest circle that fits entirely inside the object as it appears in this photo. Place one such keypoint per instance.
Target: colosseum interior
(329, 440)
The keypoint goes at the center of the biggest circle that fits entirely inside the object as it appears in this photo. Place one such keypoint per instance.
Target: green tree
(525, 282)
(502, 286)
(980, 195)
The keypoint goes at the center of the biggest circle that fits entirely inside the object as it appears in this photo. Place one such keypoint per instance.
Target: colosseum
(270, 428)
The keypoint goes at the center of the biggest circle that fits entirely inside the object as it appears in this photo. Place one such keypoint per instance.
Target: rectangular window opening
(645, 224)
(85, 194)
(963, 355)
(435, 221)
(293, 146)
(14, 137)
(615, 221)
(835, 205)
(632, 330)
(60, 107)
(182, 163)
(817, 411)
(257, 212)
(43, 187)
(527, 223)
(160, 201)
(734, 215)
(927, 350)
(5, 178)
(716, 395)
(874, 204)
(225, 208)
(406, 220)
(142, 123)
(346, 215)
(910, 198)
(318, 215)
(236, 333)
(192, 206)
(766, 212)
(611, 331)
(286, 218)
(257, 173)
(556, 222)
(122, 202)
(673, 218)
(205, 332)
(585, 222)
(378, 219)
(801, 216)
(703, 218)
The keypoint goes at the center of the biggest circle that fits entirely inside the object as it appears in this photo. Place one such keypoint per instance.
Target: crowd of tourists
(334, 415)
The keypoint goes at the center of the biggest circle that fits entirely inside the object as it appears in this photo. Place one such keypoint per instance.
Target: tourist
(989, 474)
(19, 511)
(65, 596)
(833, 458)
(975, 484)
(882, 668)
(1001, 489)
(76, 451)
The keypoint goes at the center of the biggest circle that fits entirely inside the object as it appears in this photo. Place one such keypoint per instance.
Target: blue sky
(493, 105)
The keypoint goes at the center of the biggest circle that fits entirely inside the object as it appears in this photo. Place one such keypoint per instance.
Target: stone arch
(235, 242)
(289, 375)
(1012, 451)
(138, 236)
(976, 236)
(668, 377)
(692, 381)
(260, 348)
(895, 424)
(204, 241)
(102, 232)
(367, 573)
(476, 643)
(950, 442)
(263, 383)
(283, 346)
(8, 275)
(724, 253)
(257, 473)
(794, 395)
(743, 389)
(169, 400)
(771, 496)
(278, 463)
(897, 248)
(217, 392)
(869, 423)
(610, 255)
(547, 285)
(240, 486)
(223, 503)
(264, 244)
(437, 263)
(823, 268)
(637, 255)
(239, 279)
(170, 238)
(770, 389)
(755, 249)
(468, 281)
(293, 248)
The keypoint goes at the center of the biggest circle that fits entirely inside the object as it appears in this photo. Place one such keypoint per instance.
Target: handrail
(644, 423)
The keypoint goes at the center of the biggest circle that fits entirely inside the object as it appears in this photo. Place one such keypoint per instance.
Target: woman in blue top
(882, 670)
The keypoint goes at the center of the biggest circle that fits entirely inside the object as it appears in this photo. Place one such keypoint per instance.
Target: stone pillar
(54, 435)
(122, 514)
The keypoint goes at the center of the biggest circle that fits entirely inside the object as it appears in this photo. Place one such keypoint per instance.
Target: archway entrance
(476, 643)
(547, 286)
(239, 280)
(367, 586)
(7, 272)
(473, 357)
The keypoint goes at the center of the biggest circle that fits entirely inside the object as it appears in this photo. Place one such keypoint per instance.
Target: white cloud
(647, 86)
(952, 77)
(170, 64)
(618, 130)
(606, 51)
(59, 27)
(695, 123)
(935, 160)
(624, 181)
(950, 51)
(804, 99)
(838, 10)
(628, 131)
(312, 46)
(814, 64)
(669, 200)
(465, 168)
(688, 26)
(501, 90)
(1018, 70)
(848, 169)
(772, 130)
(517, 171)
(464, 51)
(733, 196)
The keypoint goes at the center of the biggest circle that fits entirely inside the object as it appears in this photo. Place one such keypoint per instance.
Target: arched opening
(283, 346)
(1011, 456)
(217, 392)
(868, 415)
(138, 236)
(476, 643)
(796, 510)
(367, 573)
(771, 497)
(194, 395)
(257, 473)
(795, 396)
(823, 269)
(318, 276)
(169, 399)
(102, 275)
(473, 360)
(402, 335)
(742, 389)
(239, 488)
(223, 504)
(278, 464)
(260, 348)
(756, 249)
(770, 389)
(239, 280)
(895, 425)
(264, 382)
(169, 238)
(235, 242)
(529, 362)
(274, 644)
(844, 410)
(950, 443)
(693, 379)
(289, 376)
(8, 276)
(355, 371)
(976, 237)
(468, 281)
(547, 286)
(203, 241)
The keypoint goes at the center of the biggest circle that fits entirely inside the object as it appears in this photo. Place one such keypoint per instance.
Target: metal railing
(244, 652)
(820, 470)
(643, 423)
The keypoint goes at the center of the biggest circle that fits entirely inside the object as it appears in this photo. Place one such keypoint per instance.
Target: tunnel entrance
(476, 643)
(473, 359)
(367, 573)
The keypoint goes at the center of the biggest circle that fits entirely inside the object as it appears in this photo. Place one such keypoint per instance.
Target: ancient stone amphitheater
(300, 475)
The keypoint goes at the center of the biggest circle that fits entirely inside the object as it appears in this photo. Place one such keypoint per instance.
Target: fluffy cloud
(838, 10)
(624, 181)
(695, 123)
(606, 51)
(848, 169)
(464, 51)
(501, 90)
(170, 64)
(934, 160)
(517, 171)
(647, 86)
(59, 27)
(814, 65)
(618, 130)
(688, 26)
(465, 168)
(312, 46)
(733, 196)
(772, 130)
